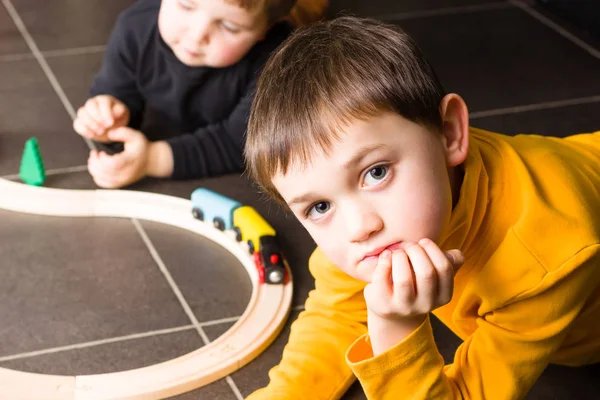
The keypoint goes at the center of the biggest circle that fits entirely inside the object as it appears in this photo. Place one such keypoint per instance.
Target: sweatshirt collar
(468, 214)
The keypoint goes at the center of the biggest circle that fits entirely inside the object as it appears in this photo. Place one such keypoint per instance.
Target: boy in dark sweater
(194, 63)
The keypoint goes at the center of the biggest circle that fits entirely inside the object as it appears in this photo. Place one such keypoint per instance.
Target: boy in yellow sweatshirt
(414, 212)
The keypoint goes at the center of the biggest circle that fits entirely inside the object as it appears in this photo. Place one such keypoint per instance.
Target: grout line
(234, 387)
(163, 268)
(220, 321)
(55, 171)
(557, 28)
(443, 11)
(180, 297)
(534, 107)
(96, 343)
(42, 61)
(74, 51)
(16, 57)
(116, 339)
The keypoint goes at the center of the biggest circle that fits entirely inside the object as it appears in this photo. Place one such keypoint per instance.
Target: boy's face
(384, 182)
(210, 33)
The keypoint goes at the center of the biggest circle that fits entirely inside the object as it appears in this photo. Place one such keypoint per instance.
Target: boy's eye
(375, 175)
(317, 210)
(186, 4)
(230, 27)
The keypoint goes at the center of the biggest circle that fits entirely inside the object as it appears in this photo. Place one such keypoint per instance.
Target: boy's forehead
(352, 145)
(256, 9)
(242, 11)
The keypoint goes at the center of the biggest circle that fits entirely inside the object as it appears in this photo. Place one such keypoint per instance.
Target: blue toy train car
(249, 226)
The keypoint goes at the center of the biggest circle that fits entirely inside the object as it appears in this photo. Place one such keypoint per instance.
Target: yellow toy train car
(249, 227)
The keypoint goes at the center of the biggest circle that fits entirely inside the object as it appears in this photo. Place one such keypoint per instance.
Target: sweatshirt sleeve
(214, 149)
(501, 360)
(117, 75)
(313, 364)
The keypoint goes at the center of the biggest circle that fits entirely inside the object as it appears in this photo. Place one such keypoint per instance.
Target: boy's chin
(364, 270)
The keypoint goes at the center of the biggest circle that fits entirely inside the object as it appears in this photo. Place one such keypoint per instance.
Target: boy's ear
(455, 118)
(264, 34)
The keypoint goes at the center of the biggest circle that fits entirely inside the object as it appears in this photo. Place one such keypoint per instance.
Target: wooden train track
(262, 320)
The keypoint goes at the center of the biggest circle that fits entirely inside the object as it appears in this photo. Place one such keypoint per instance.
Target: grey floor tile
(74, 181)
(218, 390)
(503, 58)
(30, 107)
(63, 24)
(565, 383)
(121, 356)
(212, 280)
(111, 357)
(214, 331)
(560, 122)
(385, 8)
(445, 339)
(74, 280)
(255, 374)
(75, 74)
(571, 18)
(12, 41)
(295, 241)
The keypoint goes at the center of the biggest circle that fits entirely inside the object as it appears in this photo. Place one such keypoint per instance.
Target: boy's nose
(362, 223)
(201, 31)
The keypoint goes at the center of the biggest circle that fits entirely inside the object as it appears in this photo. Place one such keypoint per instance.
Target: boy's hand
(99, 115)
(121, 169)
(406, 285)
(412, 281)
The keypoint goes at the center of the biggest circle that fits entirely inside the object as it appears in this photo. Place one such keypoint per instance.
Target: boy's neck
(457, 175)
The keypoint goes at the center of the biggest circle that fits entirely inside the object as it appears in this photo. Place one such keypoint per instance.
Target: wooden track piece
(261, 322)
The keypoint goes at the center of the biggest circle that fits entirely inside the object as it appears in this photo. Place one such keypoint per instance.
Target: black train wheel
(219, 223)
(238, 233)
(197, 213)
(251, 247)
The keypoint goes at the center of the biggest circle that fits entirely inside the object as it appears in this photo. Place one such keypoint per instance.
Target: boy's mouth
(192, 53)
(377, 251)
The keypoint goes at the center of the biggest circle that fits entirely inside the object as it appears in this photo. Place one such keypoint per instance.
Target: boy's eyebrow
(300, 199)
(362, 153)
(356, 159)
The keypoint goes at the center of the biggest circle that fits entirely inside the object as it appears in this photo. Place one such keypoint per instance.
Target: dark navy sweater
(207, 107)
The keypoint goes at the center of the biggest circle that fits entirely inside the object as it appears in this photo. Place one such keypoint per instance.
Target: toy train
(248, 226)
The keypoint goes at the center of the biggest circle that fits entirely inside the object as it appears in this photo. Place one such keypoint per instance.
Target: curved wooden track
(263, 319)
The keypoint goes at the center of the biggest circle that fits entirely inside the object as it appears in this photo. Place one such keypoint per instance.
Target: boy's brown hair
(324, 76)
(298, 12)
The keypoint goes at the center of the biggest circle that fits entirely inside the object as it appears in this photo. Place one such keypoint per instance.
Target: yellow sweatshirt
(528, 222)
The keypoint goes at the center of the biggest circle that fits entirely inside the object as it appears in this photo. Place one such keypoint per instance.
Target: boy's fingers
(441, 260)
(112, 163)
(118, 109)
(122, 134)
(381, 280)
(403, 277)
(383, 269)
(105, 111)
(90, 116)
(425, 273)
(83, 121)
(82, 129)
(103, 178)
(456, 257)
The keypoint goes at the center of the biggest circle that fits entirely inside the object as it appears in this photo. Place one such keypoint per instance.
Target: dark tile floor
(93, 283)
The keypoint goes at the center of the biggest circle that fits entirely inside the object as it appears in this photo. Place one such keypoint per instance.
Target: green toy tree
(32, 170)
